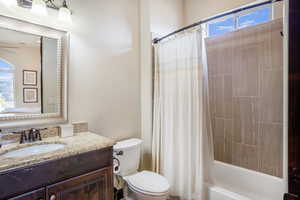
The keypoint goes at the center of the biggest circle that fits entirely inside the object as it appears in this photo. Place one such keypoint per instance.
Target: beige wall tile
(270, 149)
(246, 156)
(79, 127)
(228, 101)
(228, 146)
(219, 139)
(219, 96)
(220, 51)
(246, 99)
(277, 45)
(237, 150)
(211, 52)
(219, 149)
(249, 157)
(212, 96)
(246, 71)
(219, 128)
(228, 134)
(271, 102)
(224, 55)
(244, 124)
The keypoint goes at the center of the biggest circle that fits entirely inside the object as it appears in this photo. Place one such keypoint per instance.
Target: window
(254, 17)
(221, 27)
(6, 85)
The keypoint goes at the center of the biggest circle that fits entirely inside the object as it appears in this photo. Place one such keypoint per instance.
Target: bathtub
(236, 183)
(217, 193)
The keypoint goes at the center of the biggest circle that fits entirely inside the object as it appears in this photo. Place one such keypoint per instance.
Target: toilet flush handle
(119, 153)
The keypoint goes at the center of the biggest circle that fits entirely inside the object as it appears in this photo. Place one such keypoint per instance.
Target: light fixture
(9, 3)
(65, 13)
(39, 7)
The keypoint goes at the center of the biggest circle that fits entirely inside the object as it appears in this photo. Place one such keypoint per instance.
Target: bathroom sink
(33, 150)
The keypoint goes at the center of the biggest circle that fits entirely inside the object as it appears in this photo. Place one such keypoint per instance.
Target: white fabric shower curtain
(178, 122)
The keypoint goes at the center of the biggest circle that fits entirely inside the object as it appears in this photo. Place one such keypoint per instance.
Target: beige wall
(196, 10)
(166, 16)
(104, 67)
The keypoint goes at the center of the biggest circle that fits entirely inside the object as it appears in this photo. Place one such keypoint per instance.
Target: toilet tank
(128, 152)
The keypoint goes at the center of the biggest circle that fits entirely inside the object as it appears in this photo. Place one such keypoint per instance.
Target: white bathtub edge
(217, 193)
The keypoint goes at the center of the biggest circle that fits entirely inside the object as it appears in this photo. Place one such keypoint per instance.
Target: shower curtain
(178, 108)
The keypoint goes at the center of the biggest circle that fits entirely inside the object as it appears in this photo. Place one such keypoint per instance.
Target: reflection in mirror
(28, 74)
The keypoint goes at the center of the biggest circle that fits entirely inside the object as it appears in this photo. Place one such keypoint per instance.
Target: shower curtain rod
(157, 40)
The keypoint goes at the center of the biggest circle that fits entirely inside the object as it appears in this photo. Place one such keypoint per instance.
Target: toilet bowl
(144, 185)
(147, 185)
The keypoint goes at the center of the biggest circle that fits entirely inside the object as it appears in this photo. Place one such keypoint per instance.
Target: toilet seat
(148, 183)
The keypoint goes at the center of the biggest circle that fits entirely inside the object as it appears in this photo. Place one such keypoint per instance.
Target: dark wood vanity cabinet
(92, 186)
(86, 176)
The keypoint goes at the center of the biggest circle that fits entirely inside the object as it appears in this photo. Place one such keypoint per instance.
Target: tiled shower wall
(245, 70)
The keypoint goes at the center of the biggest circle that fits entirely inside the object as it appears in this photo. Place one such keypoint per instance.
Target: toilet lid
(149, 182)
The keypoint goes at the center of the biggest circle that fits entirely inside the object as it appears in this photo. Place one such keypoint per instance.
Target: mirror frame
(62, 71)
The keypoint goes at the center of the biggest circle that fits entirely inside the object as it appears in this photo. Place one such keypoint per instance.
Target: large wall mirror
(33, 67)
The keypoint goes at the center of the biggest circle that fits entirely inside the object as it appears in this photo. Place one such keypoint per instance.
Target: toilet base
(136, 195)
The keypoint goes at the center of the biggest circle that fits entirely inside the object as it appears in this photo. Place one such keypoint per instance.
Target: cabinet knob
(53, 197)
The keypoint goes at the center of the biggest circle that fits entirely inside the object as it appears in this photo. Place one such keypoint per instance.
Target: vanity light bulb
(64, 15)
(9, 3)
(39, 7)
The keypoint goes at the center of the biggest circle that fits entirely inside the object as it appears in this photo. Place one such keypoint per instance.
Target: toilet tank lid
(125, 144)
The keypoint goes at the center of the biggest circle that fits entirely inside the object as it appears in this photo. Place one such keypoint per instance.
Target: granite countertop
(80, 143)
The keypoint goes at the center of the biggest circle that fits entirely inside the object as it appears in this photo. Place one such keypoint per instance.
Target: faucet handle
(38, 134)
(31, 135)
(23, 137)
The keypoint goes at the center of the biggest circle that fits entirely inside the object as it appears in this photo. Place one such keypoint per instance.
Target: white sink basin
(33, 150)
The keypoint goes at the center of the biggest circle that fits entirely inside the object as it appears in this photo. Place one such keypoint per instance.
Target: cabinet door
(97, 185)
(34, 195)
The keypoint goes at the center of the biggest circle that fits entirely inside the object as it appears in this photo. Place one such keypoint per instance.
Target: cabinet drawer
(96, 185)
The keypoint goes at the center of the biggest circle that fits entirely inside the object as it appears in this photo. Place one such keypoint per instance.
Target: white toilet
(143, 185)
